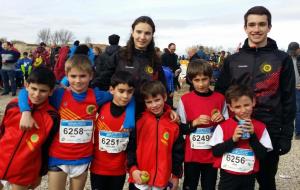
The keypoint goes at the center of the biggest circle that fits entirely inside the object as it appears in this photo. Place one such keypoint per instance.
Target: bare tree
(65, 36)
(44, 35)
(55, 37)
(87, 40)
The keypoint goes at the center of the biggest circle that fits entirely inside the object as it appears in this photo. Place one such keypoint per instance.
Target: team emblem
(166, 136)
(34, 138)
(266, 68)
(149, 69)
(90, 109)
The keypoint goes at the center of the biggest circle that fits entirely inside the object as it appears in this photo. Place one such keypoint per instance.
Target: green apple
(145, 177)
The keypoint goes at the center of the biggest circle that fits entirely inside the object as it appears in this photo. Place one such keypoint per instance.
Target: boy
(108, 168)
(240, 142)
(72, 148)
(200, 111)
(155, 155)
(25, 64)
(24, 154)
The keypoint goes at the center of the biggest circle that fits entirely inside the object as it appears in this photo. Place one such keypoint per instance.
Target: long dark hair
(128, 51)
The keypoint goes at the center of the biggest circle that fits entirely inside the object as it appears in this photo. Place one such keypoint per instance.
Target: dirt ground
(288, 175)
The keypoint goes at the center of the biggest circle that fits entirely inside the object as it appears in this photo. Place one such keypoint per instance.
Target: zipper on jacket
(156, 164)
(13, 154)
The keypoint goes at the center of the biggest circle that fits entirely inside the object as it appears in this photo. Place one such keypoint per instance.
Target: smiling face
(38, 93)
(242, 107)
(257, 29)
(142, 35)
(155, 104)
(79, 80)
(122, 94)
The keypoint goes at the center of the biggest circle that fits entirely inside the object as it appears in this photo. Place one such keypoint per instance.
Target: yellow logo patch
(149, 70)
(266, 68)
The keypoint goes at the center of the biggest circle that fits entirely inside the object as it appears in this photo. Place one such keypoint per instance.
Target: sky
(213, 23)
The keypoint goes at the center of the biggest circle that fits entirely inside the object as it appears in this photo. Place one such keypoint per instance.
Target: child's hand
(175, 182)
(136, 175)
(248, 126)
(27, 122)
(201, 120)
(217, 117)
(174, 116)
(237, 134)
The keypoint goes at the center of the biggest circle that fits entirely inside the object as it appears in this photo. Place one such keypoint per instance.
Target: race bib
(238, 160)
(200, 138)
(113, 142)
(75, 131)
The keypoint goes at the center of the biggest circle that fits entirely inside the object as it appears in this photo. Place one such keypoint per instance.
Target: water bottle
(246, 135)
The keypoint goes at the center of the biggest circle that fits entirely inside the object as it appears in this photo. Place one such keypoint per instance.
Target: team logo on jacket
(266, 68)
(34, 138)
(149, 69)
(90, 109)
(165, 138)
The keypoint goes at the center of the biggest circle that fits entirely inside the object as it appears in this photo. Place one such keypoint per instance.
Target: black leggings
(104, 182)
(192, 171)
(236, 182)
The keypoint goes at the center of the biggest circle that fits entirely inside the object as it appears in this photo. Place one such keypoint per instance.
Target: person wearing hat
(103, 73)
(294, 52)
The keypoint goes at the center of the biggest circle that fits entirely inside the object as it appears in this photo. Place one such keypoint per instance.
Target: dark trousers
(132, 187)
(9, 76)
(236, 182)
(192, 172)
(267, 171)
(104, 182)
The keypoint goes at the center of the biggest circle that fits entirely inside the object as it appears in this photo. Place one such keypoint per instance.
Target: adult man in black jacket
(270, 73)
(103, 64)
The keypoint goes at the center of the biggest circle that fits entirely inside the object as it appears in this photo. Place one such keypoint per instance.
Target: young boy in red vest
(155, 151)
(23, 158)
(240, 142)
(200, 111)
(72, 149)
(108, 168)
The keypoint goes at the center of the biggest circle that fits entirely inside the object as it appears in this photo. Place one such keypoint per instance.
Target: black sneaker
(4, 93)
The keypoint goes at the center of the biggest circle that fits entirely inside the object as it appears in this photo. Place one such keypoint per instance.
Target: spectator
(9, 60)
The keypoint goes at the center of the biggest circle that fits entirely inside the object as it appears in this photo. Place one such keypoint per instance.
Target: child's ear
(111, 90)
(51, 92)
(26, 85)
(254, 102)
(165, 97)
(230, 108)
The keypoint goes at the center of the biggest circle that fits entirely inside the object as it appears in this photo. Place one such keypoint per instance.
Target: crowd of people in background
(259, 84)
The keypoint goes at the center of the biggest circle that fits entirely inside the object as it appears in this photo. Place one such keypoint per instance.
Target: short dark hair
(236, 91)
(42, 75)
(198, 67)
(76, 43)
(122, 77)
(25, 53)
(171, 44)
(258, 10)
(153, 88)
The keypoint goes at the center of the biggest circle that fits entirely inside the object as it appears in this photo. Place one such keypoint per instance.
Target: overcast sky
(184, 22)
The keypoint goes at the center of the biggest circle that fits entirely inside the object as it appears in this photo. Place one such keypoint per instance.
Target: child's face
(38, 93)
(79, 80)
(242, 107)
(122, 94)
(155, 104)
(201, 83)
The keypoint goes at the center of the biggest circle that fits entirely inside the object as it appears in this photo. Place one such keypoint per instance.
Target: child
(239, 142)
(200, 111)
(24, 154)
(72, 149)
(25, 64)
(108, 168)
(155, 156)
